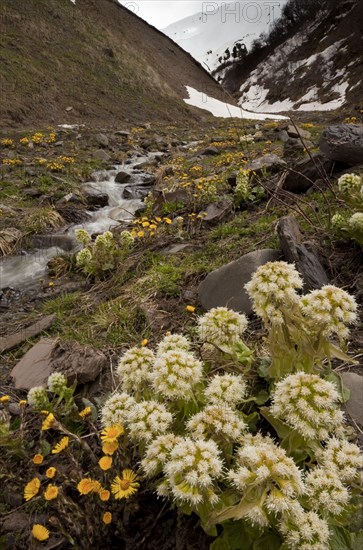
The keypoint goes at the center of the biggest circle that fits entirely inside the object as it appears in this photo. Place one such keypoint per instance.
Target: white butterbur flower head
(134, 368)
(147, 420)
(83, 257)
(105, 240)
(308, 404)
(82, 236)
(262, 464)
(38, 398)
(349, 183)
(192, 469)
(222, 327)
(338, 221)
(355, 222)
(172, 342)
(325, 491)
(226, 388)
(304, 530)
(175, 374)
(158, 453)
(328, 311)
(346, 458)
(126, 239)
(272, 287)
(217, 421)
(57, 382)
(116, 409)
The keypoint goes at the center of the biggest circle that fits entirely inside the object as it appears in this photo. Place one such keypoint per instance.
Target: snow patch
(224, 110)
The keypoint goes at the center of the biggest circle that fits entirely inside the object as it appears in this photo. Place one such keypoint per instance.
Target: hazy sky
(162, 13)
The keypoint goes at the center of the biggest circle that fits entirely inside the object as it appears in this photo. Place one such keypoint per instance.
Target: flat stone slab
(225, 286)
(13, 340)
(354, 407)
(35, 366)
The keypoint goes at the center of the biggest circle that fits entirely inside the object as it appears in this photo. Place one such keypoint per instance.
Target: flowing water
(24, 269)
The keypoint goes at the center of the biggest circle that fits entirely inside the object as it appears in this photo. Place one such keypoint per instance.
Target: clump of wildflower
(82, 236)
(276, 478)
(134, 368)
(126, 485)
(222, 327)
(344, 457)
(175, 374)
(325, 491)
(217, 421)
(40, 532)
(57, 383)
(87, 411)
(106, 240)
(192, 469)
(304, 530)
(4, 399)
(116, 409)
(84, 259)
(48, 422)
(328, 310)
(38, 398)
(308, 404)
(170, 342)
(148, 419)
(88, 485)
(355, 222)
(105, 463)
(110, 447)
(243, 189)
(273, 287)
(226, 388)
(348, 183)
(158, 453)
(32, 488)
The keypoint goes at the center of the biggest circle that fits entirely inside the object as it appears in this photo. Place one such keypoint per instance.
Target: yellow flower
(51, 283)
(109, 447)
(32, 488)
(191, 309)
(38, 459)
(51, 492)
(61, 445)
(5, 399)
(107, 518)
(105, 463)
(50, 473)
(152, 226)
(144, 342)
(104, 494)
(85, 412)
(24, 141)
(157, 219)
(48, 422)
(88, 485)
(167, 221)
(23, 402)
(140, 234)
(112, 433)
(40, 532)
(145, 224)
(125, 486)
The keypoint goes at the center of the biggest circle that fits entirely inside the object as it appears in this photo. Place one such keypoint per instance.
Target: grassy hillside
(95, 57)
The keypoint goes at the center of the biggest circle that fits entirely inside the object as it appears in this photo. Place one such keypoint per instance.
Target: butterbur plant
(350, 225)
(98, 257)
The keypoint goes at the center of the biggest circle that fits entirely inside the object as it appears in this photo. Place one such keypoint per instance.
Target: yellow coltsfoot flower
(63, 444)
(51, 492)
(112, 433)
(32, 488)
(126, 485)
(40, 532)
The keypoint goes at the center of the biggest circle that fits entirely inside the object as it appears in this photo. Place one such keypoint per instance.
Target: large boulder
(122, 176)
(305, 172)
(302, 253)
(343, 143)
(225, 286)
(78, 363)
(95, 198)
(268, 163)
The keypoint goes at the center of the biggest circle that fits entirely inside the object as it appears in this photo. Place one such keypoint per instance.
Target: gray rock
(59, 144)
(101, 155)
(354, 407)
(69, 109)
(94, 197)
(102, 140)
(225, 286)
(210, 151)
(294, 147)
(343, 143)
(13, 340)
(306, 172)
(79, 363)
(122, 133)
(34, 367)
(122, 176)
(301, 253)
(270, 163)
(31, 192)
(217, 211)
(297, 132)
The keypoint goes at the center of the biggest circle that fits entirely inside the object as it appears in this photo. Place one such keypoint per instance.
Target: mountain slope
(317, 67)
(207, 35)
(94, 56)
